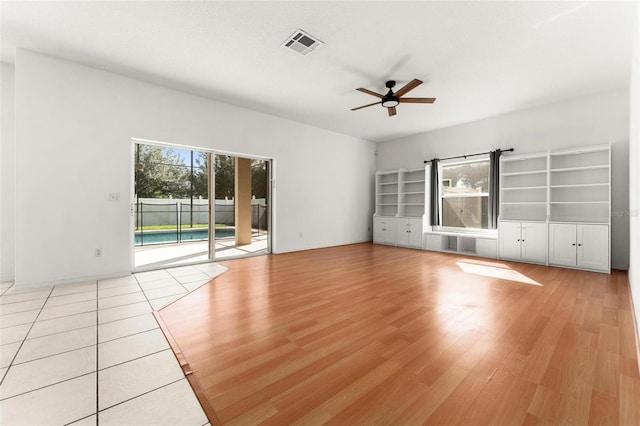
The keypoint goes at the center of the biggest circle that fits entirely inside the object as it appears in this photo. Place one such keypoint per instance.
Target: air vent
(302, 42)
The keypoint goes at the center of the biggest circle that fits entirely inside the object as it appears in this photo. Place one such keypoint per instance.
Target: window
(464, 194)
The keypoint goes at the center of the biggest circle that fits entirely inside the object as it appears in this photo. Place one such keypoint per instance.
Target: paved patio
(158, 256)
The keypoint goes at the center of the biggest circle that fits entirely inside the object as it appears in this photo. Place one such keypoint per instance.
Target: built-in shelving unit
(386, 194)
(524, 181)
(411, 195)
(580, 185)
(571, 187)
(399, 209)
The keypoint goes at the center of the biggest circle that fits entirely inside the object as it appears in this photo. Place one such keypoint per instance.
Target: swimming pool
(186, 234)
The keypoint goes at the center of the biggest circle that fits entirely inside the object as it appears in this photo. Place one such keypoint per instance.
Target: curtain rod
(468, 155)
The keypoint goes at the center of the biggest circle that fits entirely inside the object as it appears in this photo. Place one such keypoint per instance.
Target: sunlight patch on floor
(494, 270)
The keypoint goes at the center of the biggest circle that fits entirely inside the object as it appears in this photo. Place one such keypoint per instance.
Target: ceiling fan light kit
(391, 100)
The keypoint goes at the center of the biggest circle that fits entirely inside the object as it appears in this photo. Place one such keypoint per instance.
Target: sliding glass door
(193, 206)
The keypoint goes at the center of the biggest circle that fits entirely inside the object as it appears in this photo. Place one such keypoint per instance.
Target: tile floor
(93, 353)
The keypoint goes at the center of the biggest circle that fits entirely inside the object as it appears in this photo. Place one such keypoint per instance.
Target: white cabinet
(526, 241)
(384, 230)
(409, 232)
(579, 245)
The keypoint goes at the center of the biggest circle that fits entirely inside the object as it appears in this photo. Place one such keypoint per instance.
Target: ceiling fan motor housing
(390, 100)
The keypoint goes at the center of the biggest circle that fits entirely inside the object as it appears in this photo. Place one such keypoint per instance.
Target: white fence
(171, 211)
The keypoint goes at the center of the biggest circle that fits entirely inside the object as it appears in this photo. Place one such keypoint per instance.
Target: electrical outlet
(114, 196)
(98, 252)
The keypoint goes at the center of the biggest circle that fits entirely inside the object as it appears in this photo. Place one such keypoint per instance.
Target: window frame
(441, 196)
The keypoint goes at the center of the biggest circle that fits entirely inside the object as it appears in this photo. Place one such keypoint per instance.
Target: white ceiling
(478, 58)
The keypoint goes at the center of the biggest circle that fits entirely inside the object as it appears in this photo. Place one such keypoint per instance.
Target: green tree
(200, 174)
(160, 173)
(224, 169)
(259, 178)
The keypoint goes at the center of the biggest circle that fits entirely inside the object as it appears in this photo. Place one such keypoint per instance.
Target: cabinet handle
(523, 241)
(518, 239)
(574, 244)
(579, 245)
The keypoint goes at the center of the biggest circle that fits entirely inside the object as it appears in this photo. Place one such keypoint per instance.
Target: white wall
(591, 120)
(7, 173)
(74, 126)
(634, 173)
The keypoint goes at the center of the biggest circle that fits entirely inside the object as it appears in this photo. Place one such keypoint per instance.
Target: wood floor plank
(370, 334)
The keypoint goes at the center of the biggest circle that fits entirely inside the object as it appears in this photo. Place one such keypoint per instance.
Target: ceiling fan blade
(369, 92)
(392, 111)
(409, 86)
(417, 100)
(364, 106)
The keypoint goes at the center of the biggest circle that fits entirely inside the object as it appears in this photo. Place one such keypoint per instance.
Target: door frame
(271, 205)
(271, 185)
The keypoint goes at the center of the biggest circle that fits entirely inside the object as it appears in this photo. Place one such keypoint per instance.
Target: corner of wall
(634, 179)
(7, 173)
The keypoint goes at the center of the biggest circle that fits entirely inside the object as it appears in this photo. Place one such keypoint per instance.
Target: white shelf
(597, 148)
(387, 183)
(574, 169)
(579, 202)
(522, 157)
(513, 188)
(523, 202)
(532, 172)
(411, 193)
(579, 185)
(413, 181)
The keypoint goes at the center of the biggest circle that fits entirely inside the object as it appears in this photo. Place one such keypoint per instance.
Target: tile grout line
(24, 339)
(144, 393)
(129, 335)
(7, 289)
(49, 356)
(135, 359)
(46, 386)
(122, 319)
(61, 332)
(82, 418)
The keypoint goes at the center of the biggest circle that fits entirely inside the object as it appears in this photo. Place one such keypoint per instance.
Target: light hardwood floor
(372, 334)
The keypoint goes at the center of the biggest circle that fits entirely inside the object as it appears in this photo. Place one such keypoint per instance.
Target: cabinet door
(562, 244)
(390, 236)
(415, 236)
(509, 240)
(534, 242)
(402, 233)
(593, 247)
(378, 230)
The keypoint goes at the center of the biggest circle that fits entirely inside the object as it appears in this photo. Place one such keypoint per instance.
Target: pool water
(186, 234)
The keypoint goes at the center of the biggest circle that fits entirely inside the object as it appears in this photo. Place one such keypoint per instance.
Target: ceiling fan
(391, 99)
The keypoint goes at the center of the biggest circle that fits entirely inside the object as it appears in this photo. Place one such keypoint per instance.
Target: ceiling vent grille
(302, 42)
